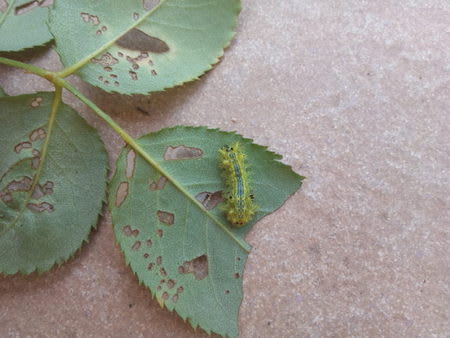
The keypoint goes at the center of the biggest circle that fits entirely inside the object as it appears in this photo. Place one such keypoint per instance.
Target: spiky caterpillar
(239, 205)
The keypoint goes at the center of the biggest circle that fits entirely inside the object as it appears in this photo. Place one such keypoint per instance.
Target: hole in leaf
(153, 72)
(180, 289)
(40, 207)
(23, 145)
(26, 7)
(36, 159)
(171, 283)
(159, 232)
(3, 5)
(22, 185)
(38, 134)
(90, 18)
(158, 260)
(227, 292)
(36, 102)
(128, 231)
(163, 272)
(150, 266)
(146, 255)
(175, 298)
(149, 4)
(133, 75)
(131, 161)
(136, 246)
(41, 190)
(165, 296)
(105, 60)
(198, 267)
(237, 275)
(149, 243)
(165, 217)
(182, 153)
(122, 193)
(135, 16)
(209, 200)
(137, 40)
(158, 185)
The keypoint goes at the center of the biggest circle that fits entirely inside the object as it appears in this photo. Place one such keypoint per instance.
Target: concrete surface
(356, 95)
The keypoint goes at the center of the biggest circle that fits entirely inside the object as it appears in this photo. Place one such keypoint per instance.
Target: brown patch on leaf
(165, 217)
(159, 185)
(131, 163)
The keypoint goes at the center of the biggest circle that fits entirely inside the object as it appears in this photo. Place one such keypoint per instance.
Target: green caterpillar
(239, 206)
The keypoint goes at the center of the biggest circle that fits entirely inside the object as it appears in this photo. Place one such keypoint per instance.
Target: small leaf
(172, 230)
(23, 24)
(134, 47)
(45, 225)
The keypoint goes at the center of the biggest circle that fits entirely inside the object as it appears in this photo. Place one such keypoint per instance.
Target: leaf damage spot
(28, 6)
(42, 190)
(165, 296)
(163, 272)
(38, 134)
(175, 298)
(198, 267)
(131, 162)
(159, 260)
(171, 283)
(158, 185)
(182, 153)
(23, 145)
(210, 199)
(150, 266)
(159, 233)
(122, 193)
(165, 217)
(135, 16)
(136, 246)
(146, 255)
(149, 243)
(36, 159)
(128, 231)
(90, 18)
(105, 60)
(149, 4)
(137, 40)
(36, 102)
(133, 75)
(22, 185)
(40, 207)
(237, 275)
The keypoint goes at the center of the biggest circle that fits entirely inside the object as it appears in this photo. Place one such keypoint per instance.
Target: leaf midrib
(71, 69)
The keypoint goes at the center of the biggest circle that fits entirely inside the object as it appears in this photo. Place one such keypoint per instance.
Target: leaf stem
(138, 149)
(29, 68)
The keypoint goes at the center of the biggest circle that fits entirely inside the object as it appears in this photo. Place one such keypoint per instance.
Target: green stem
(138, 149)
(5, 14)
(29, 68)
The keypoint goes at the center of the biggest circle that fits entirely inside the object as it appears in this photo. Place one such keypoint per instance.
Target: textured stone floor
(356, 96)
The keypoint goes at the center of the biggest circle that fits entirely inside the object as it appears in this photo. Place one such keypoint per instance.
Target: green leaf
(189, 257)
(23, 24)
(132, 47)
(45, 225)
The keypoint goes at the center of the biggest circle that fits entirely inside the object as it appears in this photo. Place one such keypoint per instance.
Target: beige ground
(356, 96)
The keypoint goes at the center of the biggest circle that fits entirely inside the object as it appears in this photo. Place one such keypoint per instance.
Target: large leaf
(46, 224)
(130, 46)
(23, 24)
(172, 231)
